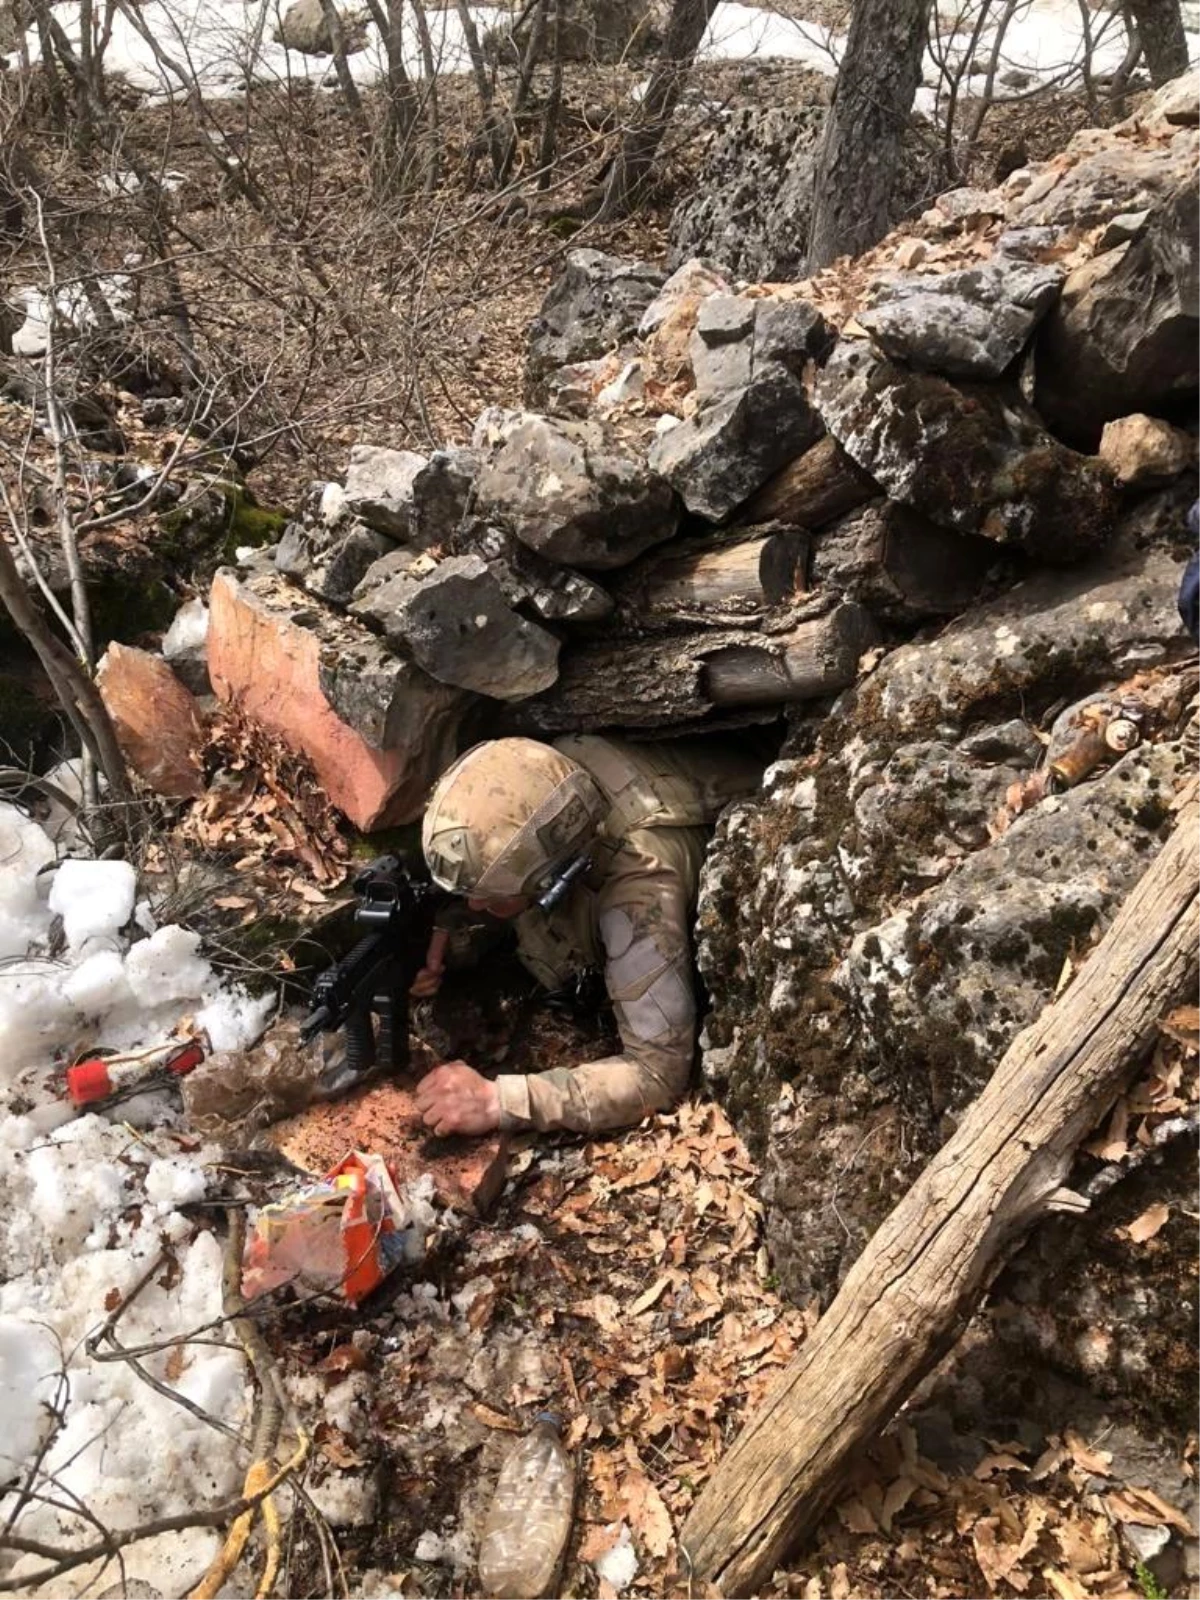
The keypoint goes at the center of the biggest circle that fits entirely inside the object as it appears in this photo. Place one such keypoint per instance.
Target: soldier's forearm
(611, 1093)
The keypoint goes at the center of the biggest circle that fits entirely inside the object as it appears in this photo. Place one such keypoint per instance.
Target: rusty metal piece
(1083, 757)
(1122, 734)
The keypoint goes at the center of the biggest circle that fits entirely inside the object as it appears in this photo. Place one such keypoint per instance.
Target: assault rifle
(365, 995)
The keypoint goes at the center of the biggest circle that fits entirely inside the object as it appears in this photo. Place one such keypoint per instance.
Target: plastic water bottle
(530, 1516)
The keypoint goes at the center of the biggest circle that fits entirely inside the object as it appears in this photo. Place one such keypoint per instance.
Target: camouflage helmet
(507, 817)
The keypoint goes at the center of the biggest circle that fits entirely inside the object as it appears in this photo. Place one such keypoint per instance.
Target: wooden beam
(920, 1279)
(819, 486)
(703, 581)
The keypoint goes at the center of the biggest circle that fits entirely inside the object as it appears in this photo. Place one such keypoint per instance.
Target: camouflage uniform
(510, 815)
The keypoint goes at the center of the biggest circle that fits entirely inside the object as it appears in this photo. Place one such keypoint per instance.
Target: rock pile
(727, 495)
(927, 865)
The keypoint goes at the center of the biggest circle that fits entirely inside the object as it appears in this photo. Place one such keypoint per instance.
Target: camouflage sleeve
(644, 919)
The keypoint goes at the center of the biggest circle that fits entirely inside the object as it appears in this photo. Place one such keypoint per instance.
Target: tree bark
(1164, 44)
(76, 692)
(631, 165)
(730, 582)
(695, 674)
(861, 143)
(815, 488)
(918, 1282)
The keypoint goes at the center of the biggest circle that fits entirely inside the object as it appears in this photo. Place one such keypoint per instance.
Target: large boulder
(969, 324)
(457, 623)
(594, 304)
(602, 31)
(573, 493)
(157, 722)
(967, 456)
(1124, 335)
(749, 209)
(876, 936)
(376, 728)
(303, 28)
(732, 445)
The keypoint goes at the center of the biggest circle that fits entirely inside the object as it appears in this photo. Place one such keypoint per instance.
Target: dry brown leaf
(645, 1172)
(1091, 1460)
(343, 1358)
(1065, 1584)
(896, 1497)
(1084, 1543)
(496, 1419)
(651, 1296)
(176, 1361)
(1148, 1224)
(999, 1461)
(855, 1518)
(599, 1540)
(1148, 1509)
(839, 1588)
(1113, 1143)
(647, 1513)
(1183, 1025)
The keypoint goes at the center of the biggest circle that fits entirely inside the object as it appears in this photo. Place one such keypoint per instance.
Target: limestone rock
(572, 493)
(157, 722)
(873, 947)
(335, 574)
(1110, 176)
(792, 332)
(441, 492)
(185, 646)
(553, 593)
(750, 206)
(379, 487)
(1143, 451)
(1176, 102)
(460, 627)
(594, 304)
(303, 28)
(721, 348)
(969, 324)
(968, 457)
(1124, 335)
(690, 283)
(732, 446)
(603, 31)
(376, 728)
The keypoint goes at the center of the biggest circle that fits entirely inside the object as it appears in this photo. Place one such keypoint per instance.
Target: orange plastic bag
(342, 1235)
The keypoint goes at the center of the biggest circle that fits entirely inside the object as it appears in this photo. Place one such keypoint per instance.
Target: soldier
(592, 847)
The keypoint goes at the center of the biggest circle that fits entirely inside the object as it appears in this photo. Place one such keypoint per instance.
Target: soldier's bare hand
(429, 980)
(454, 1098)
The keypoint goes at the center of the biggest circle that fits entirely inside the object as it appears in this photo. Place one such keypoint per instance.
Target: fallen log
(704, 580)
(687, 676)
(815, 488)
(917, 1283)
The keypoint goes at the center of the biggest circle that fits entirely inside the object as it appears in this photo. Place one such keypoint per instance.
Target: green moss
(248, 523)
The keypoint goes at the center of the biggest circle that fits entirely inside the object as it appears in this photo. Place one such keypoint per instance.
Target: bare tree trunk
(1160, 29)
(341, 65)
(860, 147)
(433, 131)
(632, 163)
(483, 86)
(549, 144)
(529, 61)
(77, 694)
(395, 158)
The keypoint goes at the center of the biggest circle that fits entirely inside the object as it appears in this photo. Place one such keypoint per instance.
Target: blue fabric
(1189, 594)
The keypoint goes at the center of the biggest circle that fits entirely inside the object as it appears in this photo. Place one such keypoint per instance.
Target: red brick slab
(468, 1174)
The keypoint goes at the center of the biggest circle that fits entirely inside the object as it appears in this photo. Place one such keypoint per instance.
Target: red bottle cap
(88, 1081)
